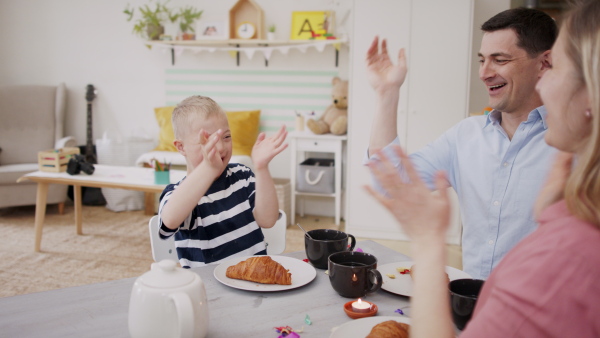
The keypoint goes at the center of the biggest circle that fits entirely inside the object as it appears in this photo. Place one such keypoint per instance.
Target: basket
(56, 160)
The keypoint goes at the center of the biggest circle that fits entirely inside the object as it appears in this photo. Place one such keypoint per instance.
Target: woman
(548, 285)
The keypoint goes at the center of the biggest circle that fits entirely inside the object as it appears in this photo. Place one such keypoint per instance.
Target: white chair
(161, 248)
(275, 236)
(165, 249)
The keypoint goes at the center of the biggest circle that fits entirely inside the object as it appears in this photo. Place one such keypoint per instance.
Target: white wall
(89, 41)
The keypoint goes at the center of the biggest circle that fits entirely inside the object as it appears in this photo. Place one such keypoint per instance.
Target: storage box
(284, 189)
(316, 175)
(56, 160)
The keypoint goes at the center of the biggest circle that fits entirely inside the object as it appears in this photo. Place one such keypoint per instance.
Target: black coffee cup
(463, 297)
(354, 274)
(324, 242)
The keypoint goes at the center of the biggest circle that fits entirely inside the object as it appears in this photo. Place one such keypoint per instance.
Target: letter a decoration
(312, 25)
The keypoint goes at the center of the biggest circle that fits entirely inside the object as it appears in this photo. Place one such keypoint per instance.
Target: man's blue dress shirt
(497, 181)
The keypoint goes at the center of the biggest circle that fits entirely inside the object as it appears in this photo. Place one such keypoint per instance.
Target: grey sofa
(31, 120)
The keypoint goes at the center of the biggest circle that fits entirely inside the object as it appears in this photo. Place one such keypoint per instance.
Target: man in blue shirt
(496, 163)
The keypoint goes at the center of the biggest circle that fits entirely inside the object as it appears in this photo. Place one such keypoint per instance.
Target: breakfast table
(101, 310)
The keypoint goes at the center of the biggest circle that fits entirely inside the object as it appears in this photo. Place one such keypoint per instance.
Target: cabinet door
(439, 65)
(437, 35)
(388, 19)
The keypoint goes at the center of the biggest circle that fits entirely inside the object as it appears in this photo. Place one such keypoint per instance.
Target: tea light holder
(355, 309)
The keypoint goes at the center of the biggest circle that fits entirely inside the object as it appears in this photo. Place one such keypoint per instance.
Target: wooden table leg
(77, 205)
(40, 212)
(149, 203)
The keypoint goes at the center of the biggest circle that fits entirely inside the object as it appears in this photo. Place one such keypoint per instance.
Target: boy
(217, 210)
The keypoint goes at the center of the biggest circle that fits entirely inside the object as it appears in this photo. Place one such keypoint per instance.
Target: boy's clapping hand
(210, 154)
(266, 148)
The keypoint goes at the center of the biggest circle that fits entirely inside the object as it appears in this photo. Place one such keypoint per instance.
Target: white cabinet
(437, 37)
(303, 142)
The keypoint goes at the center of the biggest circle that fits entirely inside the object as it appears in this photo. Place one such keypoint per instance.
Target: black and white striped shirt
(222, 224)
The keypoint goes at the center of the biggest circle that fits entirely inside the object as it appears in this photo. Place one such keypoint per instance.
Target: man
(496, 163)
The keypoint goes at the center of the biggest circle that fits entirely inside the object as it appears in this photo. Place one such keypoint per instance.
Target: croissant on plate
(389, 329)
(260, 269)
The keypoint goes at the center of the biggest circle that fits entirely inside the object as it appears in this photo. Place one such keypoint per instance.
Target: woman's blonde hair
(194, 107)
(582, 31)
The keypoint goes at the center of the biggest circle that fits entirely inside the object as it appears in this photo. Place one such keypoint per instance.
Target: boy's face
(191, 145)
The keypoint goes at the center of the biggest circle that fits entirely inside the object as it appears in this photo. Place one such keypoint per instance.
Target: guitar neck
(90, 155)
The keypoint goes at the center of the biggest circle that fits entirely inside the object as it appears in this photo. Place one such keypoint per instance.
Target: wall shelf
(266, 47)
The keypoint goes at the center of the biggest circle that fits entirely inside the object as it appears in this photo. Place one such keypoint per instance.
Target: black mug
(354, 274)
(324, 242)
(463, 297)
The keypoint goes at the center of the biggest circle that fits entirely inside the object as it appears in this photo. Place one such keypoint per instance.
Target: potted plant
(150, 25)
(271, 33)
(187, 16)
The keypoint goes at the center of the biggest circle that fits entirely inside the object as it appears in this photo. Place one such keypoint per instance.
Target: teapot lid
(166, 274)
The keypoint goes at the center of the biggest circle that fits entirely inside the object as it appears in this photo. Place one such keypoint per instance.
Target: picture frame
(212, 29)
(313, 25)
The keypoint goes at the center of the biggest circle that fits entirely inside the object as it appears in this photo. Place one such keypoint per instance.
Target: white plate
(402, 284)
(302, 274)
(361, 327)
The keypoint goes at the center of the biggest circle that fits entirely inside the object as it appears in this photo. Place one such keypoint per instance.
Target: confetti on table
(305, 260)
(403, 270)
(358, 250)
(391, 275)
(287, 332)
(399, 311)
(307, 320)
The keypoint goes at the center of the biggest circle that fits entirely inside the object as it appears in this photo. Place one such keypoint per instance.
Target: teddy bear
(335, 118)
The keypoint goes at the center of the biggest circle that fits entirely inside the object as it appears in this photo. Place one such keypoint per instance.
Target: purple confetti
(358, 250)
(399, 311)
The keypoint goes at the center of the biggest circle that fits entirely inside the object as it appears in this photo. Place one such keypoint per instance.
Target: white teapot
(168, 301)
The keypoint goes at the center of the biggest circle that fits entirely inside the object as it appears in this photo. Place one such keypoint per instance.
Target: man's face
(508, 72)
(192, 143)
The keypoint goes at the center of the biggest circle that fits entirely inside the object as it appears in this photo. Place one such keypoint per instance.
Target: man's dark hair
(536, 30)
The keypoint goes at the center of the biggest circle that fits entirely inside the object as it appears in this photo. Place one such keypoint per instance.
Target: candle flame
(354, 279)
(359, 301)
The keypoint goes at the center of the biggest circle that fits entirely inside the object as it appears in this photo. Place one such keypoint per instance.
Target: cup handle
(352, 242)
(374, 286)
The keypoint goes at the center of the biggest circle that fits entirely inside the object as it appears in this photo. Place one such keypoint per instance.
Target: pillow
(166, 135)
(244, 126)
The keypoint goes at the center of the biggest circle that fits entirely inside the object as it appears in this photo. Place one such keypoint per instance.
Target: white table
(101, 310)
(308, 142)
(104, 176)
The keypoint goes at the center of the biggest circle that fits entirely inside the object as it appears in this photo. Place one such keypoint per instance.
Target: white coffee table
(104, 176)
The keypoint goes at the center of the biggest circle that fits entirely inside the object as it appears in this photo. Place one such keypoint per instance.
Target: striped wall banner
(279, 94)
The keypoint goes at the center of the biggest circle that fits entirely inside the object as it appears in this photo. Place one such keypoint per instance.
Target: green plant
(150, 25)
(272, 28)
(188, 15)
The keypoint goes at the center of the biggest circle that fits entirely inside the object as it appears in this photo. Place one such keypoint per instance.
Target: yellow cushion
(244, 126)
(166, 135)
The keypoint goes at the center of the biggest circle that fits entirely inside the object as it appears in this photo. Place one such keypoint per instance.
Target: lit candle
(361, 307)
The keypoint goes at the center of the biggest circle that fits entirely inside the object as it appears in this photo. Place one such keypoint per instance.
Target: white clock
(246, 30)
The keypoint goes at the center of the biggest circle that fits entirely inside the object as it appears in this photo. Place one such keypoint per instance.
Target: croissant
(260, 269)
(389, 329)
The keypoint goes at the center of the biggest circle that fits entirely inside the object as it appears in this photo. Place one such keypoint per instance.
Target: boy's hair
(196, 106)
(536, 31)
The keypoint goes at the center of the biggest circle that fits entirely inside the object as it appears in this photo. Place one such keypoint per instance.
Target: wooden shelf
(237, 45)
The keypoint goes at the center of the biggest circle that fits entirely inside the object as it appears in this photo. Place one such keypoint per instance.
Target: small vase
(154, 32)
(271, 36)
(188, 36)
